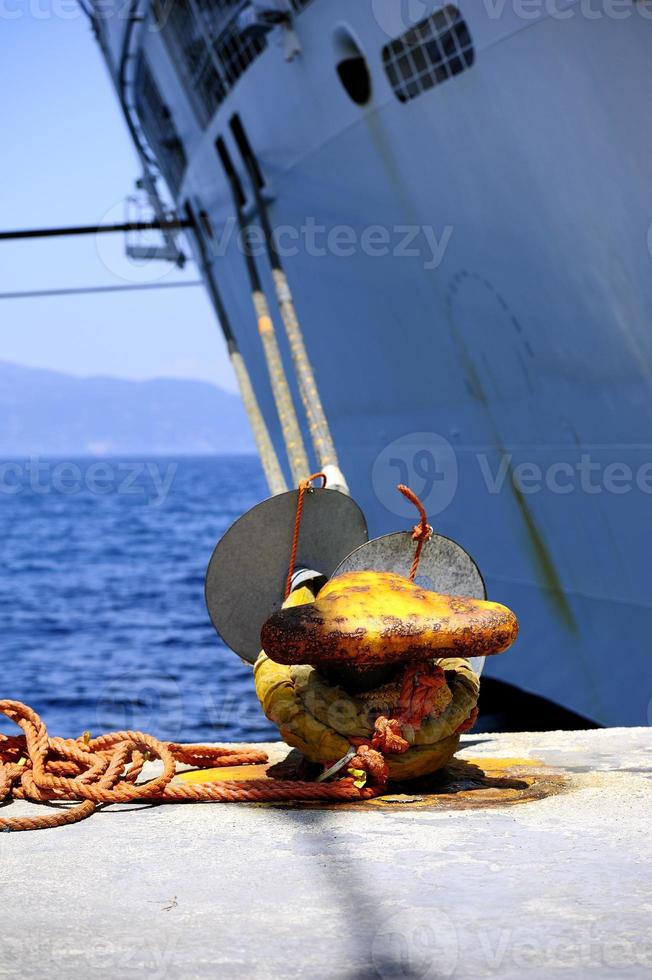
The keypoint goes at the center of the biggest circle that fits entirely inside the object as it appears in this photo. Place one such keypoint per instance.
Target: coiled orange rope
(95, 772)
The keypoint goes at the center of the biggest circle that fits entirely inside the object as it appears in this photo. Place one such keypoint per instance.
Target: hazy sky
(66, 159)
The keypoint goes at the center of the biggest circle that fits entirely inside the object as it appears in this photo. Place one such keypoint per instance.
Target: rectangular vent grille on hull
(158, 126)
(208, 49)
(431, 52)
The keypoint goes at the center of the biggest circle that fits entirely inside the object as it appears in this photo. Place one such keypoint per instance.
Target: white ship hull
(513, 351)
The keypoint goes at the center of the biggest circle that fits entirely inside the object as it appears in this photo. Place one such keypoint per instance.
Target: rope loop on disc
(304, 486)
(421, 532)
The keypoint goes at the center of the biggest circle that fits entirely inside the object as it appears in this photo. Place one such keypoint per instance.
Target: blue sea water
(102, 610)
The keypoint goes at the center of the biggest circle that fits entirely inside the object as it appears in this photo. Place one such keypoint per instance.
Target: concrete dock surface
(551, 878)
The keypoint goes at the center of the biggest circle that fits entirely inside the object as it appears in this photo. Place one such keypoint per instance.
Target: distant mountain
(48, 413)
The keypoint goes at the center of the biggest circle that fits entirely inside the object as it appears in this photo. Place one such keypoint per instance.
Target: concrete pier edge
(556, 886)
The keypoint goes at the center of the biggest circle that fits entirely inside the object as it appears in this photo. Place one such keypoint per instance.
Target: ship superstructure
(461, 204)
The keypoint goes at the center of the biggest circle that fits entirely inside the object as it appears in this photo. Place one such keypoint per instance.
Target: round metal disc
(444, 567)
(246, 575)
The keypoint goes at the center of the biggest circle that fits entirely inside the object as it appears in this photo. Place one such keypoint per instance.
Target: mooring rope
(322, 439)
(267, 453)
(289, 422)
(95, 772)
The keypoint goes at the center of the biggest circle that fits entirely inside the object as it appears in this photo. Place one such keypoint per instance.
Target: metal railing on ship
(209, 51)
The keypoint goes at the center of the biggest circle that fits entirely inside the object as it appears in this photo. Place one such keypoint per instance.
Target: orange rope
(419, 687)
(95, 772)
(303, 487)
(104, 770)
(422, 531)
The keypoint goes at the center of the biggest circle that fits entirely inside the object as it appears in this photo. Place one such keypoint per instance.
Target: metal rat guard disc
(246, 575)
(444, 567)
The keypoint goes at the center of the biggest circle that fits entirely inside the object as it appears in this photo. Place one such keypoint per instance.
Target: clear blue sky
(66, 159)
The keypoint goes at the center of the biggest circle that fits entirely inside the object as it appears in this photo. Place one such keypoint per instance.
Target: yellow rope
(297, 457)
(269, 460)
(317, 421)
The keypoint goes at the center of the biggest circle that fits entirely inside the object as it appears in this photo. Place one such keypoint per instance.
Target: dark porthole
(431, 52)
(352, 68)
